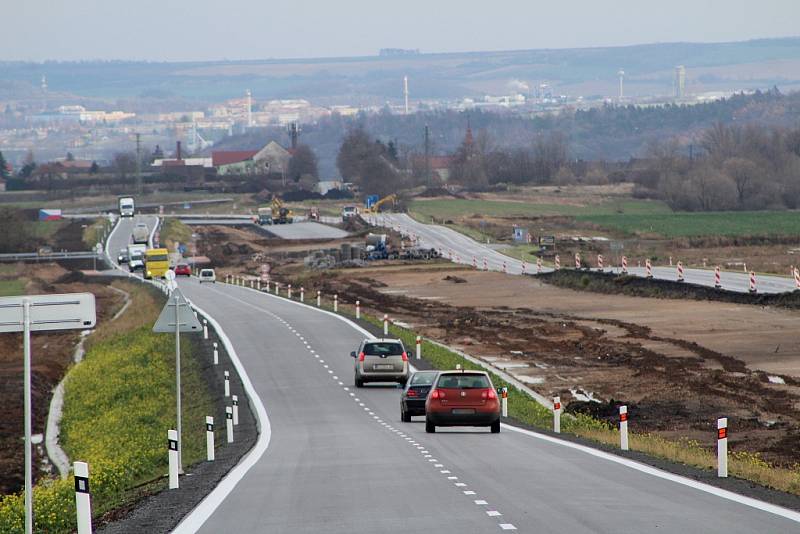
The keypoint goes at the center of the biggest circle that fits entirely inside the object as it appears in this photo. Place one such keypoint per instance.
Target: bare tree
(124, 164)
(744, 174)
(303, 163)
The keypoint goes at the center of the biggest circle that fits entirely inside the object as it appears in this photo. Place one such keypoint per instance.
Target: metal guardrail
(35, 256)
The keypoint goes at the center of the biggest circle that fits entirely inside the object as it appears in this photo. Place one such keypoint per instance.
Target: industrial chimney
(178, 153)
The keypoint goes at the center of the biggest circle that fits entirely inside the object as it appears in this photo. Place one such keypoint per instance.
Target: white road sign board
(49, 312)
(187, 322)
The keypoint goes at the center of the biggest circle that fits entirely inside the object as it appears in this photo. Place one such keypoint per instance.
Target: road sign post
(41, 313)
(177, 317)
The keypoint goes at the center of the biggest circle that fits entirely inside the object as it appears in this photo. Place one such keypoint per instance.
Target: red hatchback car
(462, 398)
(183, 269)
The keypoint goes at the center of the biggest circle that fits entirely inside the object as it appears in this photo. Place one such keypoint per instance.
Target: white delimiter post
(319, 298)
(229, 422)
(302, 294)
(172, 443)
(722, 447)
(385, 324)
(277, 288)
(205, 328)
(358, 309)
(235, 401)
(227, 384)
(336, 303)
(504, 402)
(623, 428)
(419, 347)
(289, 291)
(83, 504)
(216, 354)
(209, 438)
(557, 415)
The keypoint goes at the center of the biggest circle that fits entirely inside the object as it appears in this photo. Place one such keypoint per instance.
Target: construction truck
(264, 216)
(376, 207)
(313, 214)
(280, 213)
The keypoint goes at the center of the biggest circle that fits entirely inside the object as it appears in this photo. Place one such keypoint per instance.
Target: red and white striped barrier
(680, 271)
(717, 278)
(524, 267)
(599, 262)
(624, 265)
(558, 262)
(797, 278)
(722, 447)
(485, 265)
(753, 288)
(505, 270)
(649, 268)
(577, 260)
(623, 428)
(538, 265)
(474, 263)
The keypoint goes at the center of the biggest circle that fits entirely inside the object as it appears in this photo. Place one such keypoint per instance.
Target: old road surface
(462, 249)
(340, 461)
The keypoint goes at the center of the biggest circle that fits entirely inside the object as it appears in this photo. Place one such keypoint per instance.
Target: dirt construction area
(677, 364)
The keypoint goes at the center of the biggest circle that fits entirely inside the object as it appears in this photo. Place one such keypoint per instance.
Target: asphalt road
(462, 249)
(121, 235)
(305, 230)
(340, 461)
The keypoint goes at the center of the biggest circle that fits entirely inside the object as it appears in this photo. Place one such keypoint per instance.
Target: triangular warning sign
(187, 322)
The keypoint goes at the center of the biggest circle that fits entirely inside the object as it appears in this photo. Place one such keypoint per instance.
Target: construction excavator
(276, 213)
(376, 208)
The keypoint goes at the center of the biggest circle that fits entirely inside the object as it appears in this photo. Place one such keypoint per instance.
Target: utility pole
(139, 163)
(427, 156)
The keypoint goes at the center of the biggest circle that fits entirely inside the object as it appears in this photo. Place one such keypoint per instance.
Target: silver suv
(380, 360)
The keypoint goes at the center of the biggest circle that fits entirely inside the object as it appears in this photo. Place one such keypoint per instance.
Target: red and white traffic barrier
(358, 309)
(474, 262)
(538, 265)
(83, 499)
(680, 271)
(599, 262)
(717, 278)
(505, 270)
(649, 268)
(485, 265)
(504, 402)
(623, 428)
(557, 415)
(558, 262)
(172, 448)
(624, 265)
(209, 438)
(524, 267)
(419, 347)
(385, 324)
(753, 288)
(722, 447)
(577, 260)
(797, 278)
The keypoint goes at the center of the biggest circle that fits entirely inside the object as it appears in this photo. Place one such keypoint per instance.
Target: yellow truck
(156, 263)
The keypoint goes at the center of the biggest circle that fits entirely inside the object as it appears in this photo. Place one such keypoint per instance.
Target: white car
(207, 275)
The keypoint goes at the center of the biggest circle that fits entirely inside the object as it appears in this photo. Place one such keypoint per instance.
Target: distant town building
(394, 52)
(272, 158)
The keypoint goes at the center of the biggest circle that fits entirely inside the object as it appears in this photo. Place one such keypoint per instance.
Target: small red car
(462, 398)
(183, 269)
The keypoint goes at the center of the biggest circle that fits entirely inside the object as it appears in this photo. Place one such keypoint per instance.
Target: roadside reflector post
(796, 273)
(717, 278)
(485, 265)
(385, 324)
(753, 289)
(577, 260)
(277, 288)
(336, 303)
(235, 401)
(252, 285)
(600, 262)
(623, 428)
(624, 265)
(504, 401)
(205, 328)
(358, 309)
(258, 284)
(419, 347)
(649, 267)
(505, 270)
(172, 445)
(229, 423)
(680, 271)
(227, 384)
(557, 415)
(558, 262)
(83, 499)
(538, 265)
(289, 291)
(227, 279)
(524, 267)
(302, 294)
(209, 438)
(216, 354)
(722, 447)
(319, 298)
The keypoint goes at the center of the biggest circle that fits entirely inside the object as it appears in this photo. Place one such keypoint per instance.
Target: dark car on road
(380, 360)
(462, 398)
(412, 401)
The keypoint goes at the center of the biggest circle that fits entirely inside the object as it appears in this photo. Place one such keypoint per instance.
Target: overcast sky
(168, 30)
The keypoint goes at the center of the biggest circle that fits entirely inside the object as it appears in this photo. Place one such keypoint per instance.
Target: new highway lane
(340, 461)
(462, 249)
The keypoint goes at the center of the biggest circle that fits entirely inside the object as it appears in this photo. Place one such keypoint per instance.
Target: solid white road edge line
(644, 468)
(197, 517)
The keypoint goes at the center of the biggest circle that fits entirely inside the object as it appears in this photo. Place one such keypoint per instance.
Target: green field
(449, 208)
(724, 223)
(11, 287)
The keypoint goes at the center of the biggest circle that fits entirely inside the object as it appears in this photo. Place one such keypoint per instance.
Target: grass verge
(174, 231)
(93, 233)
(118, 405)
